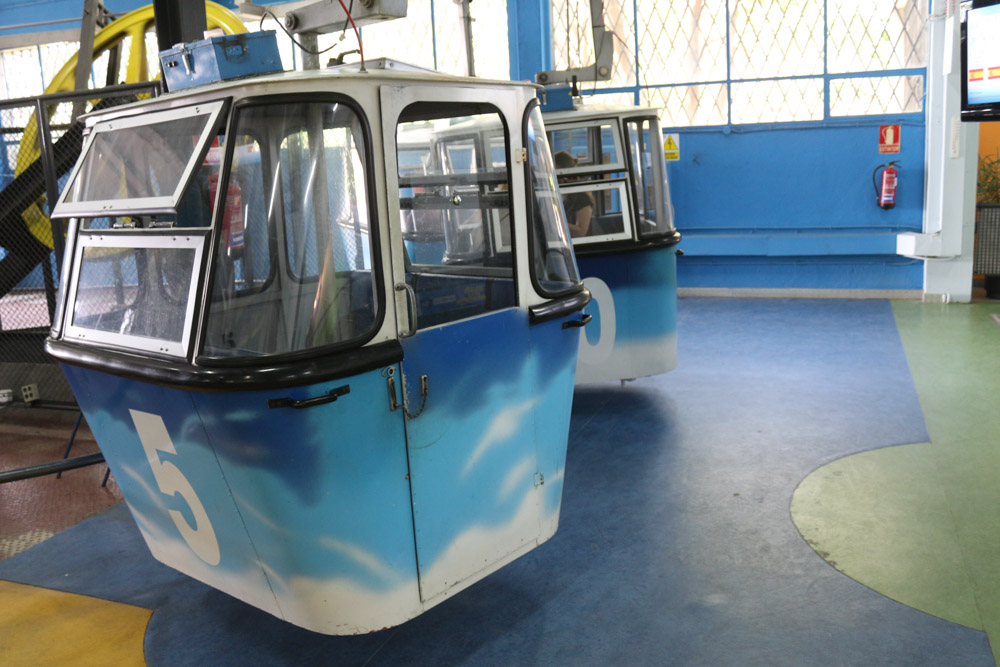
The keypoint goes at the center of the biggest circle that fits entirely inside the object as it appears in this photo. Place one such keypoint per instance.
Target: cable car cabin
(613, 181)
(332, 378)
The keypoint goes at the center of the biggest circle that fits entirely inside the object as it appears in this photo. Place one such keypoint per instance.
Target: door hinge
(539, 479)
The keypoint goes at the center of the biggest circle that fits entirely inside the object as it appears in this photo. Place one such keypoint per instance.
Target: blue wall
(794, 206)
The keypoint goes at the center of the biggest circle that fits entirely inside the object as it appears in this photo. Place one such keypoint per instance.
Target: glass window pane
(652, 191)
(134, 291)
(138, 162)
(299, 175)
(596, 212)
(554, 264)
(455, 211)
(589, 146)
(194, 210)
(245, 247)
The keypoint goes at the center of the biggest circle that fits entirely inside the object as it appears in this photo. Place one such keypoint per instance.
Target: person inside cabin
(579, 205)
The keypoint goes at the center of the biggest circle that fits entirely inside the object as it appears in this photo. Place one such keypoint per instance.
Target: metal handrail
(150, 86)
(52, 468)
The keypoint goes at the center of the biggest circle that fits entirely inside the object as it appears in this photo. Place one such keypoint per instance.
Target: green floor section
(921, 523)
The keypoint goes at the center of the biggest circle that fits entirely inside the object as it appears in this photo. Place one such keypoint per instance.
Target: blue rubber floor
(676, 544)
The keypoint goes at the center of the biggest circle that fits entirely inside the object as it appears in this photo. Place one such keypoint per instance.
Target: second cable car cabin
(613, 180)
(300, 410)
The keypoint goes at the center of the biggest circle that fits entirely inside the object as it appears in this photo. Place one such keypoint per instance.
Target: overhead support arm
(326, 15)
(604, 53)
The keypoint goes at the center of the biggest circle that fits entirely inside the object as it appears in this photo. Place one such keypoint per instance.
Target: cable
(290, 35)
(361, 48)
(343, 32)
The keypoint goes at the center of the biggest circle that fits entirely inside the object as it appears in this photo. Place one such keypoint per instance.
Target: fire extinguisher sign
(888, 138)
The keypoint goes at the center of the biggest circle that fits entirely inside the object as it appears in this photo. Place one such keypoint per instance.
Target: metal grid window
(719, 62)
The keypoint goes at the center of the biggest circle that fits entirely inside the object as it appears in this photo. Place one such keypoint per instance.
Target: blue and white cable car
(309, 399)
(613, 179)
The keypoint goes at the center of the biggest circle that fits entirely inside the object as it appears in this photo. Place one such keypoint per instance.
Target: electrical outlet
(6, 396)
(29, 392)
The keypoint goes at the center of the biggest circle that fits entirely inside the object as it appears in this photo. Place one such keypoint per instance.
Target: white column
(952, 152)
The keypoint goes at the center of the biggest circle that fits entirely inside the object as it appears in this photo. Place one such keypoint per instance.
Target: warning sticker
(888, 138)
(672, 147)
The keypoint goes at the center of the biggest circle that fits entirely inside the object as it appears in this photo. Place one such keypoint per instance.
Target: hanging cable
(350, 8)
(361, 48)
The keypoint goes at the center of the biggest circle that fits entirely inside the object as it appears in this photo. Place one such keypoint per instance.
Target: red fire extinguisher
(886, 194)
(232, 217)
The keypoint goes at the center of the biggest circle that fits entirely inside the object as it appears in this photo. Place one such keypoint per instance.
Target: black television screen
(980, 59)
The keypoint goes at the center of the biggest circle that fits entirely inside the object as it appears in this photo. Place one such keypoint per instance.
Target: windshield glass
(293, 267)
(652, 191)
(553, 263)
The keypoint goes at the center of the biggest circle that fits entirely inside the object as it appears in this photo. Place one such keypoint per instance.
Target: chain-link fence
(40, 144)
(715, 62)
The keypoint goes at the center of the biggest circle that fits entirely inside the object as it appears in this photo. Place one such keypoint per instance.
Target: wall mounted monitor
(980, 29)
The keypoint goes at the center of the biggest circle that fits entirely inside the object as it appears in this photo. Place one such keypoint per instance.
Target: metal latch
(390, 375)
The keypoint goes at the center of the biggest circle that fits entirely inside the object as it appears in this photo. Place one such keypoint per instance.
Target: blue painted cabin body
(610, 159)
(301, 410)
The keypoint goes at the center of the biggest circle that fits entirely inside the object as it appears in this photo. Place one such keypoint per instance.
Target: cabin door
(468, 388)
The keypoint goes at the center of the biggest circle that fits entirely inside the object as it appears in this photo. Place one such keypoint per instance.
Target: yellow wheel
(132, 27)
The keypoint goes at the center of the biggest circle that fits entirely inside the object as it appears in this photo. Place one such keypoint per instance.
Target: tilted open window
(139, 164)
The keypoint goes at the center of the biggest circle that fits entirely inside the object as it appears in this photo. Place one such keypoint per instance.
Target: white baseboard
(800, 293)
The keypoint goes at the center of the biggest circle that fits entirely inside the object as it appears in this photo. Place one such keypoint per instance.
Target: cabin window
(553, 264)
(139, 164)
(455, 210)
(135, 291)
(300, 172)
(656, 213)
(143, 224)
(594, 148)
(593, 181)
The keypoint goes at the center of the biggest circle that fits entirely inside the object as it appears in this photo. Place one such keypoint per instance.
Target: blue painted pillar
(529, 29)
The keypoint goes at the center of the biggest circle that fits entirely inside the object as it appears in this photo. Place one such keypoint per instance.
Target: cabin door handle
(411, 302)
(582, 322)
(330, 397)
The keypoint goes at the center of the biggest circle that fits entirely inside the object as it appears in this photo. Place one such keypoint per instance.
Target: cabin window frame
(305, 354)
(574, 283)
(67, 207)
(145, 240)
